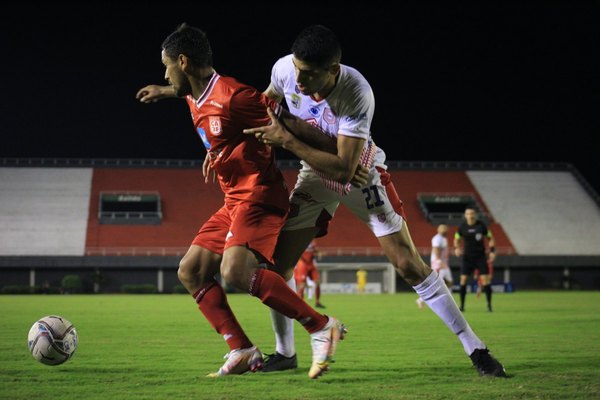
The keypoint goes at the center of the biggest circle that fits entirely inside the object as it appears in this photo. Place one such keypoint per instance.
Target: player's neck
(200, 82)
(327, 89)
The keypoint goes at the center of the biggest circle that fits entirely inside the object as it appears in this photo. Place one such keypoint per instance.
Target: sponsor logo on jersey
(314, 111)
(202, 134)
(329, 116)
(215, 125)
(229, 235)
(296, 100)
(296, 89)
(357, 117)
(214, 103)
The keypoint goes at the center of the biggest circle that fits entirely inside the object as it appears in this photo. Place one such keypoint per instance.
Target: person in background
(473, 233)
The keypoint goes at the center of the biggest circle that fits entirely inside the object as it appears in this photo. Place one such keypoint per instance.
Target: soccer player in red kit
(306, 267)
(242, 235)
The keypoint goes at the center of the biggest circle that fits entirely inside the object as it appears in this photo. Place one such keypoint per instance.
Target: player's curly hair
(191, 42)
(318, 45)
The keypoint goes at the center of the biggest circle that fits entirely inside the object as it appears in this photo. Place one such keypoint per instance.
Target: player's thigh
(313, 273)
(312, 207)
(370, 203)
(289, 248)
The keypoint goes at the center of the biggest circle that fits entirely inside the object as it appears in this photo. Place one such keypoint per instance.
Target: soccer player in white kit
(439, 258)
(339, 101)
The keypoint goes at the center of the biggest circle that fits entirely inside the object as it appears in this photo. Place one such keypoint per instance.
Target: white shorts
(313, 205)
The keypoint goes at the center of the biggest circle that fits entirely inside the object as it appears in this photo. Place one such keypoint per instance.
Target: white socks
(437, 296)
(284, 329)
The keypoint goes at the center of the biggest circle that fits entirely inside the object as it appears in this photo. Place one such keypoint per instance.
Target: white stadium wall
(543, 213)
(44, 211)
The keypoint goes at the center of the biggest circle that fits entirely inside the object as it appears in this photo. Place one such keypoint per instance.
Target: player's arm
(304, 131)
(457, 242)
(273, 94)
(340, 165)
(293, 127)
(492, 246)
(154, 93)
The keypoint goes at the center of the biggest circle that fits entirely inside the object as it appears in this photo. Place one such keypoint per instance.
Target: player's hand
(150, 94)
(457, 251)
(360, 177)
(491, 257)
(207, 171)
(274, 134)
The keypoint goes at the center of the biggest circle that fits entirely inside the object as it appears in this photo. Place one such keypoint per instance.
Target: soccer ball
(52, 340)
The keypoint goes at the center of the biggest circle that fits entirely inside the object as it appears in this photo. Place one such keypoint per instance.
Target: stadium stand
(544, 213)
(44, 211)
(545, 220)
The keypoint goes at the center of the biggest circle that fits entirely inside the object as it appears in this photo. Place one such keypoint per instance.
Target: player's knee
(228, 273)
(233, 275)
(184, 272)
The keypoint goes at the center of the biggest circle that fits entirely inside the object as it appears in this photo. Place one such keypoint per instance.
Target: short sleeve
(357, 114)
(278, 77)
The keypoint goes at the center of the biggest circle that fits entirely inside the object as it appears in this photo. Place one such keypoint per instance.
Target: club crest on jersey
(296, 100)
(314, 111)
(478, 237)
(381, 217)
(329, 116)
(215, 125)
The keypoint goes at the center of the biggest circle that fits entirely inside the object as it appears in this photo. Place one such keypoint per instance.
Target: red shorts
(244, 224)
(304, 270)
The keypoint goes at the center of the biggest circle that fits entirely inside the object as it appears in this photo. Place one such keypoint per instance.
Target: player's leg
(446, 276)
(312, 207)
(197, 270)
(466, 269)
(486, 282)
(254, 235)
(296, 241)
(313, 273)
(300, 286)
(392, 232)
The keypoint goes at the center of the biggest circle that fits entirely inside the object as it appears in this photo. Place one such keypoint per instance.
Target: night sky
(452, 82)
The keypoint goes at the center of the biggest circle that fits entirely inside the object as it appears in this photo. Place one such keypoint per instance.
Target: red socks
(213, 303)
(272, 290)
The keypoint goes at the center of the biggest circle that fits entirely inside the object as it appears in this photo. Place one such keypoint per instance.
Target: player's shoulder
(284, 64)
(353, 90)
(352, 79)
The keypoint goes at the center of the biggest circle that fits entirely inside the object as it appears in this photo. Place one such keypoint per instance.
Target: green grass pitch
(160, 347)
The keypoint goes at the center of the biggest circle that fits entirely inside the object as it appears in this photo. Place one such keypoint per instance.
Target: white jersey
(440, 242)
(348, 110)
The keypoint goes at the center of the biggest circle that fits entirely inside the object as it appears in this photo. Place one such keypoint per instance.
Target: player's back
(246, 168)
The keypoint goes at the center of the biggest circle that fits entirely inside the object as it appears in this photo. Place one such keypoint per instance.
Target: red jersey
(245, 167)
(308, 256)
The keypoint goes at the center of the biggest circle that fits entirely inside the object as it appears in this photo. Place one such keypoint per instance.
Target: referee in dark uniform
(473, 232)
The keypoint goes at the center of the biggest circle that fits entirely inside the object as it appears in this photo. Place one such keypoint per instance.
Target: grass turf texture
(160, 347)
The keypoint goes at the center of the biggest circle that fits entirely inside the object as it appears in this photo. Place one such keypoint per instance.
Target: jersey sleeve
(279, 76)
(357, 117)
(436, 241)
